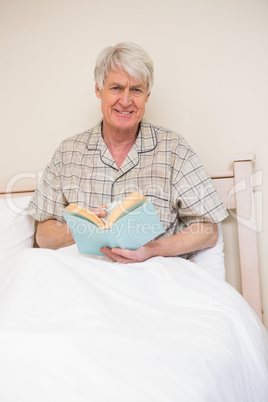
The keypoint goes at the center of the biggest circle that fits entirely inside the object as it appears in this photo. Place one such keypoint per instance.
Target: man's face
(122, 102)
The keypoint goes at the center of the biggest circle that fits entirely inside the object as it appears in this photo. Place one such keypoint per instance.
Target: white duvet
(76, 329)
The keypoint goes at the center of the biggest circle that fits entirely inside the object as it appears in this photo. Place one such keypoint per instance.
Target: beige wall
(211, 82)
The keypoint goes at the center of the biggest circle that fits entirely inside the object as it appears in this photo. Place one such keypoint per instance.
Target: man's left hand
(125, 256)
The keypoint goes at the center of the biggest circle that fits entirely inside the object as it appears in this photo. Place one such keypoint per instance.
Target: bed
(77, 328)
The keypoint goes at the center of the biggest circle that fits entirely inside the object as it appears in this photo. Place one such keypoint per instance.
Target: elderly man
(124, 153)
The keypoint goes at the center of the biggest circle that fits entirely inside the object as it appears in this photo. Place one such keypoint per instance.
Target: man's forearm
(195, 237)
(53, 234)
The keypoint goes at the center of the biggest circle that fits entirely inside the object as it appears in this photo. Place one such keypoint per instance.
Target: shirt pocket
(162, 204)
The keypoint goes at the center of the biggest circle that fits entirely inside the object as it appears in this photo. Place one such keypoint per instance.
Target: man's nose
(126, 98)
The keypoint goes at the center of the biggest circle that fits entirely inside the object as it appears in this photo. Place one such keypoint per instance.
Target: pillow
(16, 229)
(212, 259)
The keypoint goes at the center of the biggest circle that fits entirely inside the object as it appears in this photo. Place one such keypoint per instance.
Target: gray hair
(131, 58)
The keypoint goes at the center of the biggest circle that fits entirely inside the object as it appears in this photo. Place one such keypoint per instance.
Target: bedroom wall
(211, 83)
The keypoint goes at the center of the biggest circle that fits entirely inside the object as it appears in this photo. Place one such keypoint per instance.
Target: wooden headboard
(235, 189)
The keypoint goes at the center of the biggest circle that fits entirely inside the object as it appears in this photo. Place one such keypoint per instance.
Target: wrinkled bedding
(78, 329)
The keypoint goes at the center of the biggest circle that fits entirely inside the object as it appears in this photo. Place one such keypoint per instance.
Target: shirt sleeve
(196, 199)
(48, 200)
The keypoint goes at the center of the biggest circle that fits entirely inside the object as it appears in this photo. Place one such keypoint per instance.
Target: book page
(130, 203)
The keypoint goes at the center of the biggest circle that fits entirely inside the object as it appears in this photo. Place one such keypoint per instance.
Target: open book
(130, 224)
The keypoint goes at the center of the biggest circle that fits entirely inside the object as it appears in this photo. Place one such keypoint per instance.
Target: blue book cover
(131, 231)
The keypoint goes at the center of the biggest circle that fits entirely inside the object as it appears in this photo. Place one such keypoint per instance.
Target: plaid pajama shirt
(160, 165)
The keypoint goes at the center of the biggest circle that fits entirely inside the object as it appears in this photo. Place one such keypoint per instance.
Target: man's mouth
(121, 112)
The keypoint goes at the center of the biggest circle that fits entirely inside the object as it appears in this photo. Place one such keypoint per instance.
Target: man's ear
(97, 91)
(148, 97)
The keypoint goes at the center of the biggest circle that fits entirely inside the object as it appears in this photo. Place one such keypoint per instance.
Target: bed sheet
(77, 329)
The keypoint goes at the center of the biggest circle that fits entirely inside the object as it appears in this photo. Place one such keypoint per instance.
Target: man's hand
(128, 256)
(53, 234)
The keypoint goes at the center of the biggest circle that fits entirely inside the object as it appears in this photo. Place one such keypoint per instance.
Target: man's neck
(119, 143)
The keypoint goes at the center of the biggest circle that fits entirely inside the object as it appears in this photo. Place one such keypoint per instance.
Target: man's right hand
(54, 234)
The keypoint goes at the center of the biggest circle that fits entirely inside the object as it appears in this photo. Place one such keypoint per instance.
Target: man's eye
(115, 89)
(137, 91)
